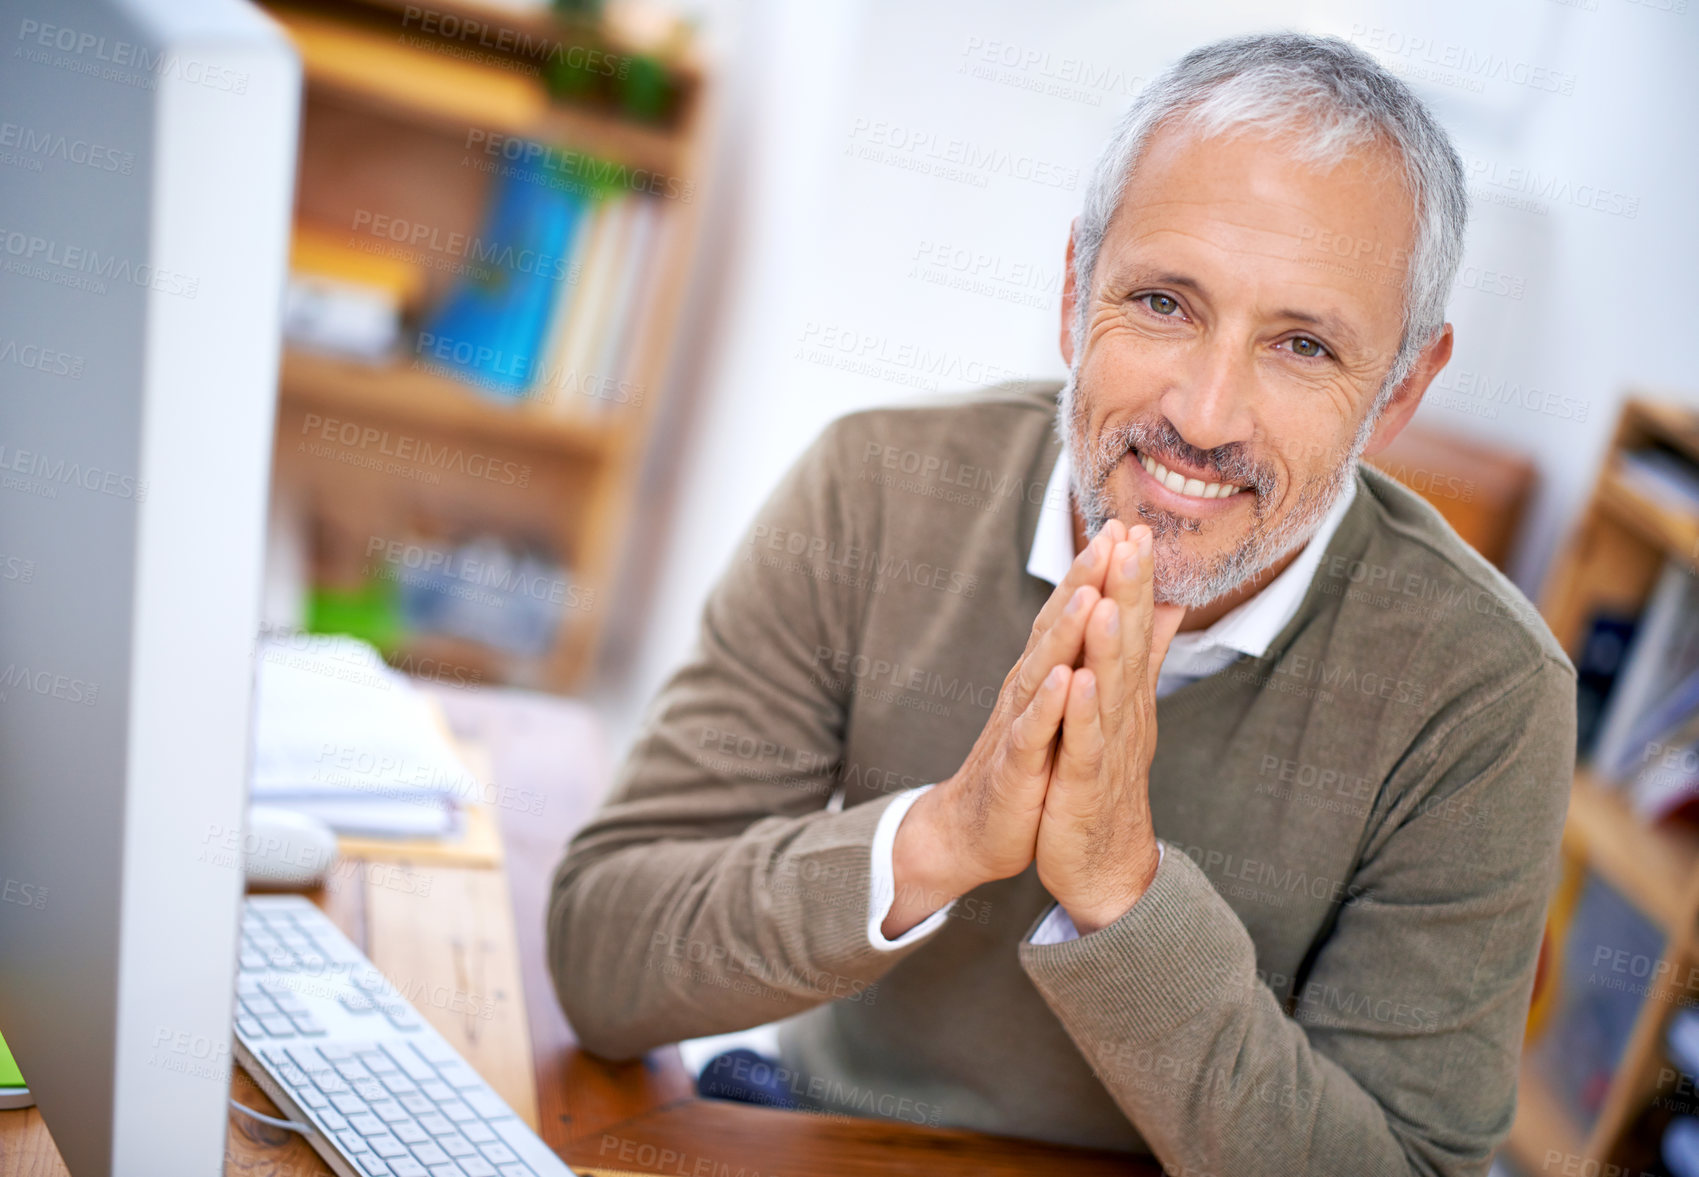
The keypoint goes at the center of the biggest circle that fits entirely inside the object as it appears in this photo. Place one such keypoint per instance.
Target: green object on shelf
(371, 613)
(10, 1076)
(646, 91)
(580, 9)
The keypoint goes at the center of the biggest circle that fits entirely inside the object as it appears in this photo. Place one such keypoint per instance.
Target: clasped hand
(1060, 773)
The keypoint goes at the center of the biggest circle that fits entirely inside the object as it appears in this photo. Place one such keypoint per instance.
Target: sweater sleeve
(1400, 1050)
(715, 889)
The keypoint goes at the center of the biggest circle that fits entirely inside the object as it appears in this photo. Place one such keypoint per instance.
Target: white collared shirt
(1248, 629)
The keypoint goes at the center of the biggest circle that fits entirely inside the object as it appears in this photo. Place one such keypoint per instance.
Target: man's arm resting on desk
(1402, 1052)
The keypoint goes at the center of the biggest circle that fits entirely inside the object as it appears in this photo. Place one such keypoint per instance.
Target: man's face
(1231, 356)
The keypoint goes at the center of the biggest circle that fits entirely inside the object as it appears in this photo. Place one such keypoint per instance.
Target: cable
(292, 1125)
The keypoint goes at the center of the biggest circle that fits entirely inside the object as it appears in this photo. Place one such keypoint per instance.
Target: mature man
(1295, 934)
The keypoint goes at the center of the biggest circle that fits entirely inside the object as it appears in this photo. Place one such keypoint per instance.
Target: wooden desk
(468, 931)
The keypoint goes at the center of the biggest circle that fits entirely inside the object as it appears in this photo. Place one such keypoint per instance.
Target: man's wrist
(924, 866)
(1100, 913)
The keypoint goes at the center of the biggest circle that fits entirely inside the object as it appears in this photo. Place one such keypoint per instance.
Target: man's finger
(1058, 645)
(1088, 568)
(1104, 658)
(1079, 757)
(1033, 732)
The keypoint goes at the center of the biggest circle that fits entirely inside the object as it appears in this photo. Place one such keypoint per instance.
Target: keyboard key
(400, 1016)
(352, 1069)
(417, 1104)
(390, 1112)
(312, 1097)
(387, 1146)
(429, 1154)
(399, 1084)
(379, 1064)
(479, 1133)
(434, 1051)
(488, 1104)
(336, 1052)
(438, 1091)
(449, 1170)
(351, 1142)
(499, 1153)
(516, 1171)
(369, 1090)
(436, 1125)
(333, 1120)
(250, 1028)
(477, 1167)
(258, 1005)
(367, 1124)
(278, 1026)
(356, 1003)
(371, 1165)
(410, 1132)
(405, 1167)
(414, 1066)
(460, 1075)
(458, 1111)
(348, 1103)
(457, 1146)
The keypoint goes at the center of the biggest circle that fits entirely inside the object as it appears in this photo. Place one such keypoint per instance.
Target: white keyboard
(336, 1046)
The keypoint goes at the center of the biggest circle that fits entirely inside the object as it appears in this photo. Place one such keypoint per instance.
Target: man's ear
(1409, 394)
(1069, 295)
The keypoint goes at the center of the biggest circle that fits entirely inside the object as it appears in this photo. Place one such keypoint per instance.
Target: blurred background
(574, 285)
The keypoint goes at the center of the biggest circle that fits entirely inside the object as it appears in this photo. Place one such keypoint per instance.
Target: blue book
(491, 329)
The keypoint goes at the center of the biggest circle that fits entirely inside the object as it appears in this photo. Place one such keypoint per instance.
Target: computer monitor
(147, 154)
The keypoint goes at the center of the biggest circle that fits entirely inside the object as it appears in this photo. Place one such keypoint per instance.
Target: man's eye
(1304, 346)
(1162, 304)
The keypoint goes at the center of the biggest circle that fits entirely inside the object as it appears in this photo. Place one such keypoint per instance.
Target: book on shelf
(1667, 478)
(491, 330)
(1658, 686)
(1609, 964)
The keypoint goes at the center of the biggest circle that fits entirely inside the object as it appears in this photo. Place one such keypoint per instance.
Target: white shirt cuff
(1058, 927)
(882, 891)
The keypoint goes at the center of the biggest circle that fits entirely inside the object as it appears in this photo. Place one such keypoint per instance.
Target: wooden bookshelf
(393, 108)
(1615, 553)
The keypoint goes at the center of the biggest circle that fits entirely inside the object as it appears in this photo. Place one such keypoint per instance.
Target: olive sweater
(1331, 971)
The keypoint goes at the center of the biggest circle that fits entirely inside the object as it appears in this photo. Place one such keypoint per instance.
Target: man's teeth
(1197, 488)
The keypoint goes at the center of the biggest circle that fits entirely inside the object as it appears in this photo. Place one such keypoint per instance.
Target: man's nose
(1210, 405)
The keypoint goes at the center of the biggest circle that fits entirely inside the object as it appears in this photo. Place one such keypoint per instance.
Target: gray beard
(1183, 578)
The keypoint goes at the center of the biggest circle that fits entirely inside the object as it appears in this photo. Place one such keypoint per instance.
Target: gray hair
(1344, 100)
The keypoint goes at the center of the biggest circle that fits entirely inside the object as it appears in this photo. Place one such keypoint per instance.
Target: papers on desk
(343, 737)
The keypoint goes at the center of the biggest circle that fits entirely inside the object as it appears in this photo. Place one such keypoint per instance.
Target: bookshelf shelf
(366, 67)
(423, 469)
(1674, 530)
(1622, 542)
(402, 393)
(1651, 865)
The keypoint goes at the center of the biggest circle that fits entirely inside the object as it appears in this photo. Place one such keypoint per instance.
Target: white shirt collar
(1249, 629)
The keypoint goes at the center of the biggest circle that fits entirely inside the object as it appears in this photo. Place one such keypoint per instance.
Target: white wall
(846, 118)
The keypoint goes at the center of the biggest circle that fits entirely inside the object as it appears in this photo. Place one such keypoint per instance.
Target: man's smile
(1174, 484)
